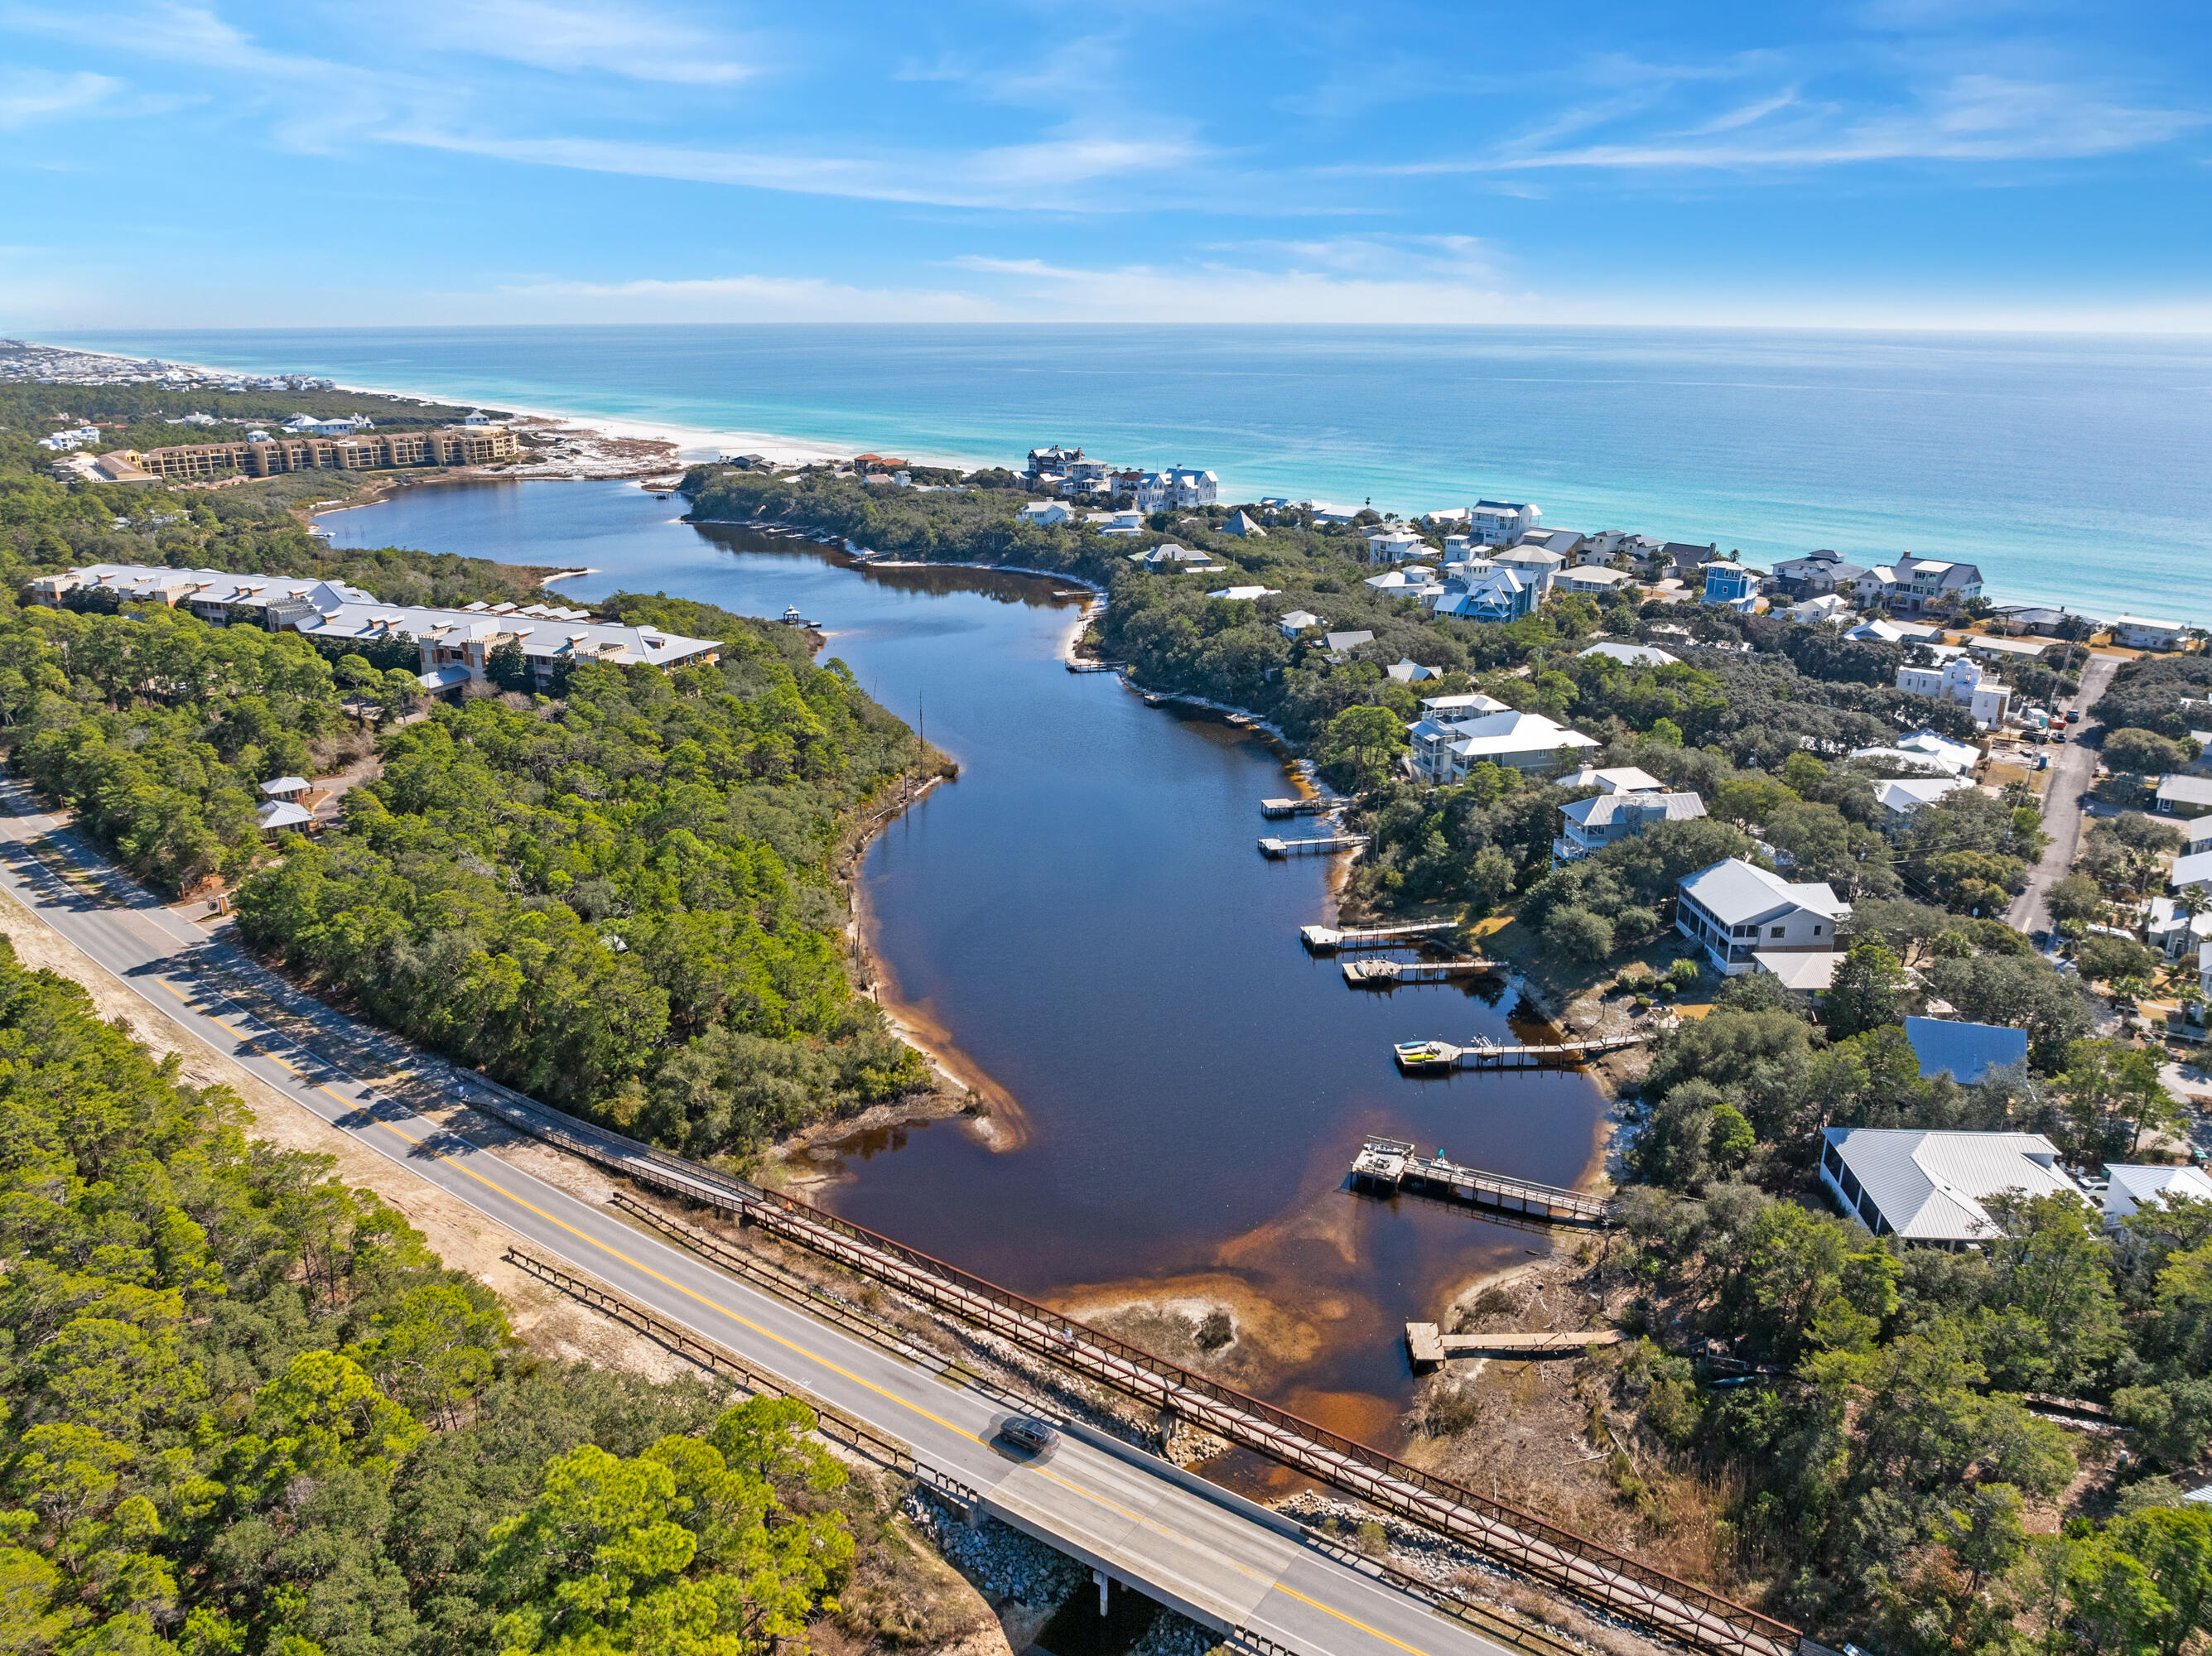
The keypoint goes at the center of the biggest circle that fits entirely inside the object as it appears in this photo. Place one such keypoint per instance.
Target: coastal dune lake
(1084, 915)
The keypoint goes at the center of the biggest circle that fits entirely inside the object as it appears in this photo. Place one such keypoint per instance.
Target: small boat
(1424, 1054)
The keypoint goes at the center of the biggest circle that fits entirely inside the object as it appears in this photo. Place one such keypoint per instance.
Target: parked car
(1027, 1432)
(2073, 715)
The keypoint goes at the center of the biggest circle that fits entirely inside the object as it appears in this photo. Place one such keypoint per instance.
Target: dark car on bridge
(1027, 1432)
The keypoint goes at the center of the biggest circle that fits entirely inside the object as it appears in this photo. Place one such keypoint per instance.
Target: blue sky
(1936, 163)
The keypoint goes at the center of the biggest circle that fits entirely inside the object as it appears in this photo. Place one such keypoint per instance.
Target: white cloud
(1046, 174)
(35, 94)
(635, 43)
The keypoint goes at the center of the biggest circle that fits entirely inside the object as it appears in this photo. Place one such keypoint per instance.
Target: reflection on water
(1086, 914)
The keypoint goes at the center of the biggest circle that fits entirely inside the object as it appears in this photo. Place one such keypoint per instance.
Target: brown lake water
(1084, 914)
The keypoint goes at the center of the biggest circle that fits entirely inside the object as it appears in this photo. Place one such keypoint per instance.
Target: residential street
(2073, 768)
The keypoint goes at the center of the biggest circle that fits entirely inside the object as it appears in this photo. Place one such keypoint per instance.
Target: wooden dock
(1328, 939)
(1436, 1056)
(1384, 1167)
(1078, 665)
(1298, 807)
(1388, 975)
(1321, 846)
(1430, 1349)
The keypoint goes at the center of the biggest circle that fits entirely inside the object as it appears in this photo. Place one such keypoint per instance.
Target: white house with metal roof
(1616, 779)
(1735, 908)
(1931, 1187)
(1899, 799)
(2185, 796)
(2129, 1188)
(1444, 751)
(1635, 655)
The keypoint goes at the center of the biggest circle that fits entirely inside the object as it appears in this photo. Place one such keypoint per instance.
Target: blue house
(1496, 595)
(1731, 584)
(1966, 1052)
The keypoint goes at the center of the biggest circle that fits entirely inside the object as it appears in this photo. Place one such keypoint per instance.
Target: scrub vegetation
(620, 898)
(249, 1413)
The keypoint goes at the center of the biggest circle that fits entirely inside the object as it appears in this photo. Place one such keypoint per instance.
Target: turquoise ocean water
(2073, 470)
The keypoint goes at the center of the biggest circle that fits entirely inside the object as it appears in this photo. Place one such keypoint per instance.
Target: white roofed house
(1620, 778)
(1297, 621)
(1493, 595)
(1168, 558)
(2139, 633)
(1928, 753)
(1735, 907)
(1536, 565)
(1595, 580)
(1819, 611)
(1900, 799)
(1189, 487)
(2129, 1188)
(1635, 655)
(1931, 1187)
(1338, 643)
(1590, 825)
(1964, 682)
(1500, 523)
(1245, 594)
(1923, 584)
(2170, 926)
(2183, 796)
(1465, 705)
(1046, 515)
(1244, 526)
(284, 787)
(1395, 545)
(1444, 750)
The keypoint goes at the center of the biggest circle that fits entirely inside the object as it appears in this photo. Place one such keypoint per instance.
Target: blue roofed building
(1965, 1051)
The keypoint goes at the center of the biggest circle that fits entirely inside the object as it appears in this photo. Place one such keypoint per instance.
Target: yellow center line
(888, 1396)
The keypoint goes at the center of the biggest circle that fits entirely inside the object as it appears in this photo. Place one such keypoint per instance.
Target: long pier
(1318, 847)
(1329, 939)
(1385, 1166)
(1388, 975)
(1435, 1057)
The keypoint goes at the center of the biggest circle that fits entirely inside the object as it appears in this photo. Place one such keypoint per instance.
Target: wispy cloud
(1050, 172)
(28, 96)
(748, 299)
(1969, 118)
(637, 43)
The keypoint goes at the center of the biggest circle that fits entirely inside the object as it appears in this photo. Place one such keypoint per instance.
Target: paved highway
(1202, 1552)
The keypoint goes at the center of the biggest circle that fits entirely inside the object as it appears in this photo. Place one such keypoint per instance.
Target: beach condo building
(1730, 585)
(1590, 825)
(1928, 1187)
(261, 455)
(1501, 523)
(549, 637)
(2139, 633)
(1963, 682)
(1444, 750)
(1735, 907)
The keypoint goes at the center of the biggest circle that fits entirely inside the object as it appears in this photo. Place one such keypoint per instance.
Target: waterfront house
(1734, 907)
(1595, 580)
(1816, 574)
(1618, 779)
(2007, 649)
(1448, 517)
(1149, 492)
(1962, 682)
(1189, 488)
(1685, 557)
(1900, 798)
(1922, 583)
(1590, 825)
(1444, 750)
(1965, 1051)
(1635, 655)
(1045, 514)
(1246, 527)
(1297, 621)
(1928, 1187)
(2129, 1188)
(1395, 545)
(2136, 632)
(1052, 462)
(2185, 796)
(1325, 511)
(2040, 618)
(1730, 585)
(1501, 523)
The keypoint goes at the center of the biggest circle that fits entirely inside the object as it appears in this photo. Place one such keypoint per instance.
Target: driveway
(2073, 768)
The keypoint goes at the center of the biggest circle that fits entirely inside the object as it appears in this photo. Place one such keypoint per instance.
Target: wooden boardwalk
(1328, 939)
(1385, 1166)
(1388, 975)
(1436, 1056)
(1429, 1348)
(1317, 847)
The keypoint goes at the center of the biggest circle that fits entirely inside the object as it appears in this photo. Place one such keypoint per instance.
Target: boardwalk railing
(1574, 1562)
(1391, 1165)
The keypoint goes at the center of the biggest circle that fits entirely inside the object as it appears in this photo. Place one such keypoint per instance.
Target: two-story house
(1916, 584)
(1966, 682)
(1590, 825)
(1731, 586)
(1501, 523)
(1493, 595)
(1735, 907)
(1445, 749)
